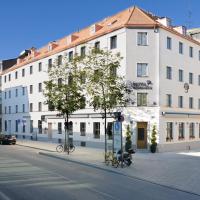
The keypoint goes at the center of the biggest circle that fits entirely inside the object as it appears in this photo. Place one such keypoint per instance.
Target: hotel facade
(160, 60)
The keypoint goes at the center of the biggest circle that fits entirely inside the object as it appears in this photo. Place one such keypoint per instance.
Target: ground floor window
(109, 130)
(96, 129)
(59, 127)
(70, 128)
(191, 130)
(16, 126)
(169, 131)
(82, 128)
(141, 99)
(181, 130)
(5, 125)
(31, 126)
(39, 126)
(23, 128)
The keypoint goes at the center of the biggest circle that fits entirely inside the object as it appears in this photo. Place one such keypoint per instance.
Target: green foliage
(153, 135)
(63, 90)
(128, 143)
(104, 86)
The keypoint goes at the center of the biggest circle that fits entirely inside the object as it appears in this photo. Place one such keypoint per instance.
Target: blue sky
(24, 23)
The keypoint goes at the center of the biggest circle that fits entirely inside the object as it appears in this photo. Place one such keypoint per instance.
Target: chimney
(165, 21)
(180, 29)
(94, 28)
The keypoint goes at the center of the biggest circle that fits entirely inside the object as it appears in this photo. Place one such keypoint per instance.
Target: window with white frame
(82, 128)
(191, 52)
(31, 126)
(180, 47)
(169, 100)
(180, 101)
(142, 69)
(113, 42)
(190, 78)
(191, 102)
(40, 67)
(141, 99)
(59, 127)
(169, 43)
(191, 130)
(181, 130)
(169, 131)
(169, 72)
(142, 38)
(180, 75)
(96, 129)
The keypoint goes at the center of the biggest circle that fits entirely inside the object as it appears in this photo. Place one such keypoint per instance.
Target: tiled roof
(131, 17)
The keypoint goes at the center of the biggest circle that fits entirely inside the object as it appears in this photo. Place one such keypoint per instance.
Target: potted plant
(128, 144)
(153, 140)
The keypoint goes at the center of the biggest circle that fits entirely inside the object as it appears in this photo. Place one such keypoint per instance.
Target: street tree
(63, 90)
(104, 86)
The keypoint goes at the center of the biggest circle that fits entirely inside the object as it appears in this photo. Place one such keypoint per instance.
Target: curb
(79, 162)
(119, 173)
(35, 148)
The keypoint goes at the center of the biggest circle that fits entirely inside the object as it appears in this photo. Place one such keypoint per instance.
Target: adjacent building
(161, 61)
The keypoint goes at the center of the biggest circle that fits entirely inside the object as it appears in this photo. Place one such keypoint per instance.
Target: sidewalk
(176, 170)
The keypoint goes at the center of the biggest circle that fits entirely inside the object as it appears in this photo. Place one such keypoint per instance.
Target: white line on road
(3, 196)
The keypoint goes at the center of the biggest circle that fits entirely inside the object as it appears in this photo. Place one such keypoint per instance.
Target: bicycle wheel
(59, 148)
(115, 163)
(71, 148)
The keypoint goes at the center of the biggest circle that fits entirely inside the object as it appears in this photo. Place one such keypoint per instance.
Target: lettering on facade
(142, 85)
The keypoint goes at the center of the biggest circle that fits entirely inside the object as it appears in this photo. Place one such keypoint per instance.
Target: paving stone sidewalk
(180, 170)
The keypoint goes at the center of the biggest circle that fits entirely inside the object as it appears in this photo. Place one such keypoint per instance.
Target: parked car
(7, 139)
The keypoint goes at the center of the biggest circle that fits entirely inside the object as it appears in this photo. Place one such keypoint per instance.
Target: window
(9, 94)
(180, 47)
(31, 69)
(23, 126)
(109, 130)
(198, 103)
(169, 43)
(181, 130)
(9, 77)
(16, 126)
(199, 55)
(40, 67)
(71, 56)
(199, 79)
(97, 45)
(70, 128)
(23, 72)
(180, 101)
(23, 90)
(169, 73)
(142, 38)
(40, 106)
(5, 95)
(169, 100)
(60, 60)
(180, 75)
(49, 64)
(82, 52)
(9, 109)
(5, 78)
(191, 130)
(31, 126)
(191, 52)
(113, 42)
(39, 126)
(113, 71)
(31, 89)
(5, 109)
(16, 92)
(191, 102)
(16, 75)
(39, 87)
(96, 129)
(199, 130)
(141, 99)
(82, 128)
(190, 78)
(16, 108)
(23, 108)
(169, 131)
(59, 127)
(51, 107)
(5, 125)
(31, 107)
(142, 69)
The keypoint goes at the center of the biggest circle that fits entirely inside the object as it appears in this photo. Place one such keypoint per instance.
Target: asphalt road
(26, 175)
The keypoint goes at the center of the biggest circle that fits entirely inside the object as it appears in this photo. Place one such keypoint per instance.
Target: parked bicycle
(60, 148)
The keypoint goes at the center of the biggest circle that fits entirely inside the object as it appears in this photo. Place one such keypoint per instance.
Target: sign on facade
(117, 136)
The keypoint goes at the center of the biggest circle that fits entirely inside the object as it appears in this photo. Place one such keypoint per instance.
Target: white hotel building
(161, 60)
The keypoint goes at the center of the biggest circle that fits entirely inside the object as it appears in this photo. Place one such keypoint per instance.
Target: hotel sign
(142, 85)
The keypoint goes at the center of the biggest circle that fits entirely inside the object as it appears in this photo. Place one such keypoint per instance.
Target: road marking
(3, 196)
